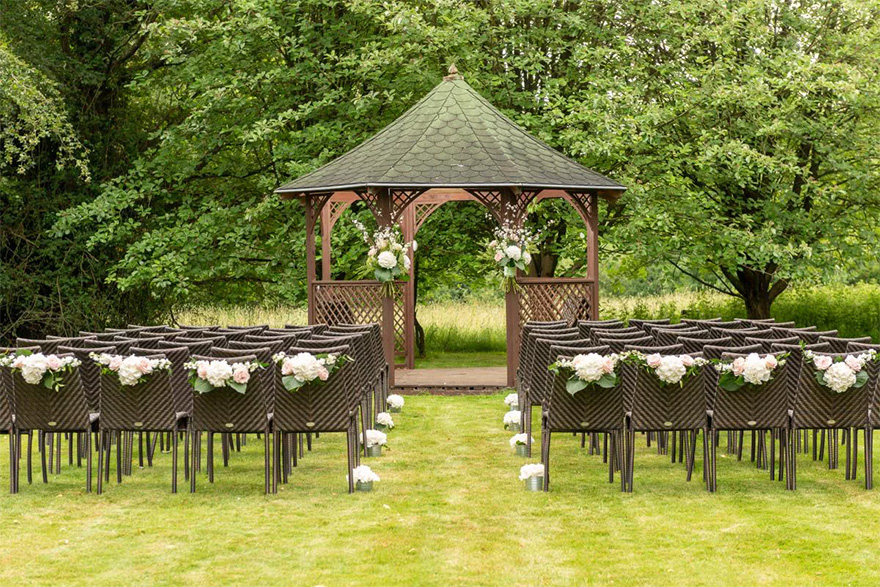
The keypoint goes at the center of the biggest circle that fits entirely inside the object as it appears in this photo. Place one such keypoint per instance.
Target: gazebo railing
(556, 298)
(360, 302)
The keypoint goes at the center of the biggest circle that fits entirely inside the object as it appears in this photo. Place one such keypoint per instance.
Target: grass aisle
(448, 511)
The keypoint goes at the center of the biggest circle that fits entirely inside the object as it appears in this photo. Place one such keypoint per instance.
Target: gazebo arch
(453, 145)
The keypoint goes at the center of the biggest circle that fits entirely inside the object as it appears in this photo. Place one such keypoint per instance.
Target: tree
(747, 132)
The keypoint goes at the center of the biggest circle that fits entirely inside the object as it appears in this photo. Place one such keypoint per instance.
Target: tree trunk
(758, 290)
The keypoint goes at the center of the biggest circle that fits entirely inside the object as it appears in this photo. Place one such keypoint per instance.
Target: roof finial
(453, 74)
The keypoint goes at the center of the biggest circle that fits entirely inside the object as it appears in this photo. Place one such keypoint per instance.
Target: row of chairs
(788, 408)
(165, 408)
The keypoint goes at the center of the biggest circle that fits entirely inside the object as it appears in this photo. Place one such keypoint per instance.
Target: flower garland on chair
(131, 370)
(841, 373)
(37, 368)
(586, 370)
(206, 376)
(669, 369)
(304, 368)
(753, 369)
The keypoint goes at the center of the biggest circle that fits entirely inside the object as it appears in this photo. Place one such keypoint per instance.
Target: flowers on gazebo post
(388, 257)
(512, 249)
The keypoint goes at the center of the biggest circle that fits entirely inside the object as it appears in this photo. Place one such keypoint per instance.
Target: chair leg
(869, 457)
(854, 437)
(194, 435)
(276, 459)
(88, 440)
(185, 454)
(30, 454)
(210, 463)
(349, 447)
(13, 462)
(174, 452)
(43, 461)
(120, 448)
(526, 426)
(545, 456)
(792, 467)
(100, 442)
(692, 452)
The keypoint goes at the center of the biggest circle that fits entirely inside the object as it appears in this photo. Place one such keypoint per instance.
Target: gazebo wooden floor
(460, 381)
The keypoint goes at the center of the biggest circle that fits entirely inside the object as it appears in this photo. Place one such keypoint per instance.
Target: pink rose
(853, 363)
(687, 360)
(653, 360)
(202, 371)
(286, 367)
(498, 256)
(608, 365)
(241, 376)
(143, 365)
(115, 362)
(771, 362)
(323, 374)
(739, 365)
(18, 363)
(53, 362)
(822, 362)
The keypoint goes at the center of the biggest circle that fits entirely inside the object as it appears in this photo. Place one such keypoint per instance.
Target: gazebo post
(326, 229)
(310, 255)
(593, 253)
(385, 209)
(408, 228)
(510, 214)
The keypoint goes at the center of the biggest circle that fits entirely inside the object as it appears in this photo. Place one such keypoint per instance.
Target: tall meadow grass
(479, 326)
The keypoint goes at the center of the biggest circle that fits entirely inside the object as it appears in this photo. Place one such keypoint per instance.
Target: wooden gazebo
(452, 145)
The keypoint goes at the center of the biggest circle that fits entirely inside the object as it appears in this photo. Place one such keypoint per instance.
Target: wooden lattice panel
(549, 300)
(359, 302)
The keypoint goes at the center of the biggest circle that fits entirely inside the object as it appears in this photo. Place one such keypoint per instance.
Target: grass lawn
(457, 360)
(449, 511)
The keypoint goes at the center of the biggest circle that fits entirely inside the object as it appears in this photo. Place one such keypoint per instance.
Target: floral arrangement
(395, 402)
(841, 373)
(363, 474)
(587, 370)
(387, 257)
(303, 368)
(512, 249)
(36, 368)
(531, 471)
(669, 369)
(131, 370)
(512, 418)
(385, 419)
(511, 400)
(753, 369)
(207, 376)
(519, 439)
(376, 438)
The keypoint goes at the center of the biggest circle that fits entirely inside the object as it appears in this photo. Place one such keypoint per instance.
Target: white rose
(526, 257)
(511, 399)
(415, 246)
(385, 419)
(589, 367)
(376, 438)
(406, 263)
(671, 369)
(395, 401)
(387, 260)
(755, 370)
(839, 377)
(218, 372)
(513, 252)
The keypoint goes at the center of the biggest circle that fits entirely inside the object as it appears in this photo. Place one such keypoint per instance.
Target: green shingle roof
(453, 137)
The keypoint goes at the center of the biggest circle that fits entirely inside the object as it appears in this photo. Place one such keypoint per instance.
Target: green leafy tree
(747, 131)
